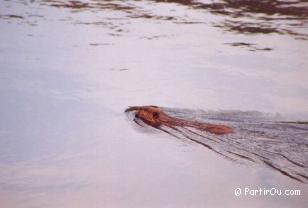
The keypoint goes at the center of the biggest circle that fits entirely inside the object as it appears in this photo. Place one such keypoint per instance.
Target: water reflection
(11, 16)
(69, 69)
(70, 4)
(94, 5)
(257, 17)
(237, 16)
(238, 8)
(240, 16)
(249, 46)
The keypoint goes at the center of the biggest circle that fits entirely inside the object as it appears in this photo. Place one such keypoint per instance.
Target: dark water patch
(154, 37)
(123, 69)
(78, 5)
(249, 17)
(113, 5)
(187, 22)
(114, 27)
(131, 10)
(115, 34)
(256, 16)
(236, 8)
(35, 15)
(96, 23)
(294, 122)
(119, 69)
(248, 28)
(154, 17)
(99, 44)
(88, 6)
(249, 46)
(257, 138)
(11, 17)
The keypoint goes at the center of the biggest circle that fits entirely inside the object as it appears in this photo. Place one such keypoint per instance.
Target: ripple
(257, 138)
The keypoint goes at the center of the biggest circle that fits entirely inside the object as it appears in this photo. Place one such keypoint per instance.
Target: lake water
(69, 69)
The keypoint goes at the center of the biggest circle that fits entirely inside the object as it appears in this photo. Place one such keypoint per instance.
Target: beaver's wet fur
(156, 117)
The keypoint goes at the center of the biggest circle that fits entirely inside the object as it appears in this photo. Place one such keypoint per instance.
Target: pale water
(69, 69)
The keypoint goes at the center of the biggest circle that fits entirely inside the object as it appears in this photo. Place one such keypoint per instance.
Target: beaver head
(148, 114)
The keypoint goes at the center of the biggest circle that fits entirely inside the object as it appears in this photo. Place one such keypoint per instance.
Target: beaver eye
(155, 115)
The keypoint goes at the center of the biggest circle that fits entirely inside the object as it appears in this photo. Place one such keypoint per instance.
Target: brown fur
(156, 117)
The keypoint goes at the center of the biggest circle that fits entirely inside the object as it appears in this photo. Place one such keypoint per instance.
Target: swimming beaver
(156, 117)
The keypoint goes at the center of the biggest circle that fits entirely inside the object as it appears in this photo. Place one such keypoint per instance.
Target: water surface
(68, 70)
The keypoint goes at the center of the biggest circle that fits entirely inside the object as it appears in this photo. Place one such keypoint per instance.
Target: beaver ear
(155, 115)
